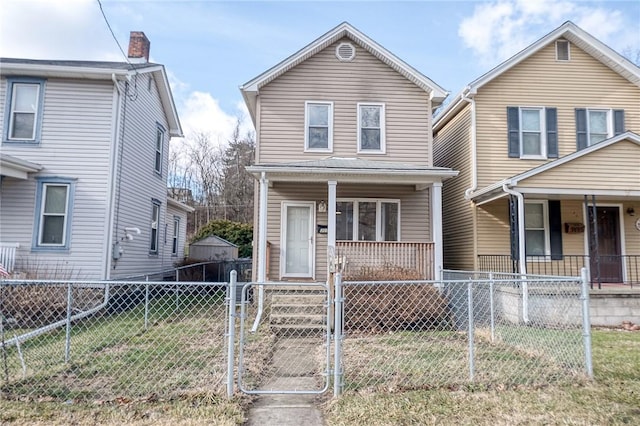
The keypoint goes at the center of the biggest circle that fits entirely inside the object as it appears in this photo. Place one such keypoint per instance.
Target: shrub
(384, 306)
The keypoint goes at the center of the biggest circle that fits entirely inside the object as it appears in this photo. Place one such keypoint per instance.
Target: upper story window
(155, 226)
(368, 220)
(594, 125)
(24, 106)
(532, 132)
(371, 129)
(562, 50)
(54, 201)
(159, 147)
(318, 126)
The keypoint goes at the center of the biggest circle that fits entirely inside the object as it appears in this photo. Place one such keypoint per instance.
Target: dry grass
(612, 399)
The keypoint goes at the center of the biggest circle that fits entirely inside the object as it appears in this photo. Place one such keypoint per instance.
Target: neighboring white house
(84, 166)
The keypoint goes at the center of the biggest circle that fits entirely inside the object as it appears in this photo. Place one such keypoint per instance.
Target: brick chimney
(139, 46)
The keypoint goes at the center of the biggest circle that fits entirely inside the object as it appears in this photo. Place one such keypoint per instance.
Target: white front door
(297, 259)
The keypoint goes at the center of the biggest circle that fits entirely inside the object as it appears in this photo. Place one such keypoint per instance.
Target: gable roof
(250, 89)
(513, 181)
(98, 70)
(568, 31)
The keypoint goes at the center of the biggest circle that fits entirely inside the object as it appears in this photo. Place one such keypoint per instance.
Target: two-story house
(84, 166)
(343, 162)
(548, 151)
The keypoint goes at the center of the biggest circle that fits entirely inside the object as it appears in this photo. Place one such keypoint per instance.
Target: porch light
(631, 211)
(322, 206)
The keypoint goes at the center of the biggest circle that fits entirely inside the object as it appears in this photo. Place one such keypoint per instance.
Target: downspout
(474, 159)
(112, 177)
(522, 258)
(262, 248)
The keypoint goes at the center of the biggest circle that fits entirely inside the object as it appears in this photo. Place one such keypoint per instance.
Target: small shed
(213, 248)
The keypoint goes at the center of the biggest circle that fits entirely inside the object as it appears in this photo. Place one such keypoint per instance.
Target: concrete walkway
(295, 365)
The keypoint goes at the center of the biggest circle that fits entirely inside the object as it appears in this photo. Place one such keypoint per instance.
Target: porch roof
(16, 167)
(352, 170)
(607, 169)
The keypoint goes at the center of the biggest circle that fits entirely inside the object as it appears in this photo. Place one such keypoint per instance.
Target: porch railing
(385, 258)
(568, 265)
(8, 255)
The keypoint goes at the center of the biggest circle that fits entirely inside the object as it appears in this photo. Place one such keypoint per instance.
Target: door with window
(605, 249)
(297, 240)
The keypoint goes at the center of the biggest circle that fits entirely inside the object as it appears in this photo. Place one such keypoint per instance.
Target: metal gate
(284, 338)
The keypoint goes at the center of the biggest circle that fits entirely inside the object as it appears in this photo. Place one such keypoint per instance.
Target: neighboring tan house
(84, 166)
(344, 162)
(548, 151)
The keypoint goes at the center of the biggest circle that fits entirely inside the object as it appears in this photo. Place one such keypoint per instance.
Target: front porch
(367, 260)
(610, 270)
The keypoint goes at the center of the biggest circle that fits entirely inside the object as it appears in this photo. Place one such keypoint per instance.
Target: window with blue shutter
(595, 125)
(532, 132)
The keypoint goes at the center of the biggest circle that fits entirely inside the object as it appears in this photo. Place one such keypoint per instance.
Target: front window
(376, 220)
(159, 146)
(599, 125)
(371, 132)
(54, 199)
(319, 126)
(532, 133)
(155, 222)
(24, 104)
(536, 231)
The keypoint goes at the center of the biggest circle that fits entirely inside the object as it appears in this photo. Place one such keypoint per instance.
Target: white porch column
(262, 230)
(262, 248)
(436, 228)
(331, 226)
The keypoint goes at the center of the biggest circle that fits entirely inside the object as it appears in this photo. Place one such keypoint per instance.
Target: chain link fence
(470, 330)
(105, 341)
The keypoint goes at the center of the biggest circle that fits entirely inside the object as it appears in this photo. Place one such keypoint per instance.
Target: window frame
(12, 84)
(41, 193)
(610, 129)
(175, 239)
(546, 229)
(154, 234)
(379, 226)
(543, 133)
(158, 153)
(382, 127)
(307, 124)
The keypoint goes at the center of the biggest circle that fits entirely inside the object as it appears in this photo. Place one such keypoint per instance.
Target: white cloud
(499, 29)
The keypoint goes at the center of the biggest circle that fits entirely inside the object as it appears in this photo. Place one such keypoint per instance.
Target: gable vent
(562, 50)
(346, 52)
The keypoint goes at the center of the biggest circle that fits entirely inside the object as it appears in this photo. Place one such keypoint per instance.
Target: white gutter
(262, 248)
(522, 257)
(118, 95)
(474, 157)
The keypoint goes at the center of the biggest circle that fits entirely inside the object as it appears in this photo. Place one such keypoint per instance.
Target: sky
(211, 47)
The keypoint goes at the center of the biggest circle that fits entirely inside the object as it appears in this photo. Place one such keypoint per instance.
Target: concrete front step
(299, 330)
(299, 309)
(298, 299)
(297, 319)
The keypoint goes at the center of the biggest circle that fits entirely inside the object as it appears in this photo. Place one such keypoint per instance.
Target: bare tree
(237, 183)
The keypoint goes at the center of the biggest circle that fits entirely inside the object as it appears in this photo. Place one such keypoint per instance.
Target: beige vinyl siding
(614, 167)
(631, 239)
(414, 215)
(138, 183)
(452, 148)
(540, 80)
(76, 136)
(492, 221)
(324, 78)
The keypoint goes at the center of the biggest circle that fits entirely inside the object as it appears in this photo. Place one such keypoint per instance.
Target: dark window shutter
(618, 121)
(581, 128)
(513, 228)
(555, 229)
(552, 132)
(513, 125)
